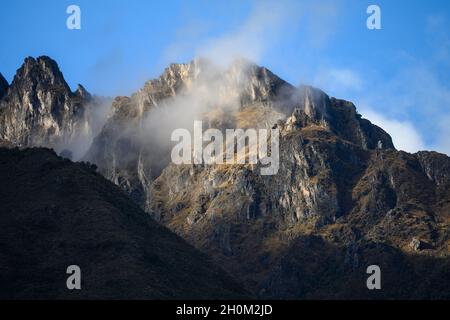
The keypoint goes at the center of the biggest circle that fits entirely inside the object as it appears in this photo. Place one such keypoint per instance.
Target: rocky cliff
(39, 109)
(310, 231)
(134, 145)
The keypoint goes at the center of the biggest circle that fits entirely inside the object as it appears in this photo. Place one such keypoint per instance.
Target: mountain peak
(40, 109)
(42, 71)
(82, 92)
(242, 79)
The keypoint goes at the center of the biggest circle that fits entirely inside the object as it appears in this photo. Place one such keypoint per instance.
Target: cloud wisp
(412, 105)
(262, 29)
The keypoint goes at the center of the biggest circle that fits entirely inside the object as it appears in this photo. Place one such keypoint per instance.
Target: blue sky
(399, 76)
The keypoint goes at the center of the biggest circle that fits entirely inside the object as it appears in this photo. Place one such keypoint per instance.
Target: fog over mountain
(343, 199)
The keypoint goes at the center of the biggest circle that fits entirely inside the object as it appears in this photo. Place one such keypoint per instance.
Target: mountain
(343, 198)
(334, 208)
(133, 147)
(39, 109)
(56, 213)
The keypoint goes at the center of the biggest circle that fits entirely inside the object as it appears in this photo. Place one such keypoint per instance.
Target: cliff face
(333, 209)
(129, 150)
(134, 145)
(343, 198)
(56, 213)
(39, 109)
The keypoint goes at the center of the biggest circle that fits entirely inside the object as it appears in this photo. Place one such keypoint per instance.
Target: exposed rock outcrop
(327, 187)
(129, 151)
(39, 109)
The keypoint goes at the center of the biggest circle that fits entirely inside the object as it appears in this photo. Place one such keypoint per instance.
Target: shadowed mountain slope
(55, 213)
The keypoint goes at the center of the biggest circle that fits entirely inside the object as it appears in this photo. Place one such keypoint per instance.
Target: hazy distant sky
(399, 76)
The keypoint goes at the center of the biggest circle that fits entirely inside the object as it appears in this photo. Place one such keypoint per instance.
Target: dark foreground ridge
(55, 213)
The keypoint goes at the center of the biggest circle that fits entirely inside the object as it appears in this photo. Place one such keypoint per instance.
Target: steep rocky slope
(333, 209)
(39, 109)
(55, 213)
(134, 145)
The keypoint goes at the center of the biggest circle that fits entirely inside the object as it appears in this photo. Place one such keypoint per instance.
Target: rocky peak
(311, 107)
(42, 72)
(39, 109)
(175, 77)
(3, 86)
(249, 81)
(314, 101)
(257, 84)
(436, 166)
(308, 106)
(82, 92)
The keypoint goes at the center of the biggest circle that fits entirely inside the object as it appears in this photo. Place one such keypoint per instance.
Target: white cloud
(437, 29)
(259, 32)
(403, 133)
(338, 80)
(415, 93)
(412, 106)
(346, 83)
(267, 25)
(442, 143)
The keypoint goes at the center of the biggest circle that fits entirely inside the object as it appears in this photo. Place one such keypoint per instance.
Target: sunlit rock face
(134, 145)
(333, 208)
(341, 187)
(39, 109)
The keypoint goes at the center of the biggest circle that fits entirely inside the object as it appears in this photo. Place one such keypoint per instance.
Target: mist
(96, 113)
(218, 82)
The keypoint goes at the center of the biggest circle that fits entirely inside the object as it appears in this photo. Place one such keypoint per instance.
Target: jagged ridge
(39, 109)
